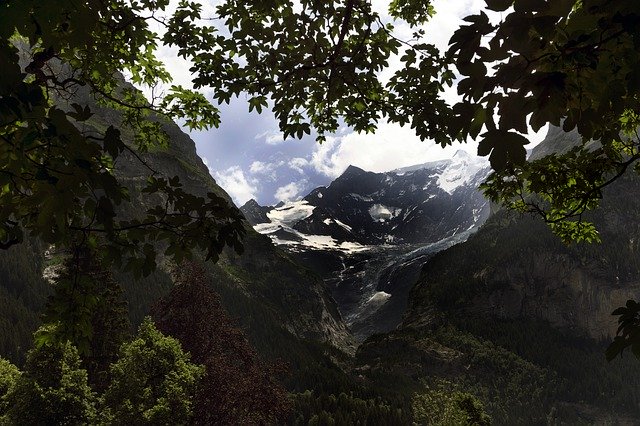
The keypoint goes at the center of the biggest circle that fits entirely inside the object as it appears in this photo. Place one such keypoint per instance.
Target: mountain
(367, 234)
(255, 213)
(419, 204)
(272, 296)
(517, 316)
(410, 264)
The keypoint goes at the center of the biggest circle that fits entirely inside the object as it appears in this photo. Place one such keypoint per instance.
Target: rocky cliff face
(284, 296)
(513, 267)
(559, 289)
(513, 273)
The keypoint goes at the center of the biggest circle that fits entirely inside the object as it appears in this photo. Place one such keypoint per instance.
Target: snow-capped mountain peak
(418, 204)
(461, 170)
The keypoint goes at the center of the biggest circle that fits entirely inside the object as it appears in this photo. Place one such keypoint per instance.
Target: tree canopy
(57, 180)
(53, 389)
(237, 386)
(317, 65)
(153, 381)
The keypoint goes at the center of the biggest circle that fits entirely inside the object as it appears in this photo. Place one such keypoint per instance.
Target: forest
(134, 291)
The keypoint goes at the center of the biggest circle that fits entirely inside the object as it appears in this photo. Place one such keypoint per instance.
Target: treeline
(411, 361)
(316, 408)
(187, 362)
(85, 362)
(583, 374)
(23, 294)
(152, 382)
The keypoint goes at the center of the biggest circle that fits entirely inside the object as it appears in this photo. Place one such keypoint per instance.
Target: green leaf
(499, 5)
(503, 148)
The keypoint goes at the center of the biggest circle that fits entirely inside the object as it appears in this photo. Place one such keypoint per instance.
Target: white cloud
(264, 169)
(272, 137)
(448, 18)
(236, 184)
(260, 167)
(389, 148)
(290, 191)
(298, 164)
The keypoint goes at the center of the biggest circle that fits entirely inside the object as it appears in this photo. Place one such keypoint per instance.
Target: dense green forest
(24, 293)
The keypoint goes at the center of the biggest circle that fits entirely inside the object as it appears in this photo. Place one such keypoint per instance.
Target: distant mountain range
(424, 203)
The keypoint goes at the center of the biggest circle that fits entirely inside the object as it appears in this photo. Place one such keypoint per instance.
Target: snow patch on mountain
(344, 225)
(281, 230)
(421, 203)
(379, 297)
(431, 165)
(382, 213)
(462, 169)
(291, 212)
(452, 173)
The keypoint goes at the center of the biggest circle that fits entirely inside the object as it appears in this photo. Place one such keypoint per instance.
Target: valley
(490, 300)
(383, 286)
(320, 213)
(368, 234)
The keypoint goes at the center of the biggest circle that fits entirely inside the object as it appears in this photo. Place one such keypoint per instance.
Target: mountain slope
(514, 291)
(290, 299)
(367, 234)
(514, 267)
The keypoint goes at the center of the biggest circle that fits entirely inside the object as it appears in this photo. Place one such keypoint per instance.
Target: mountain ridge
(514, 314)
(368, 208)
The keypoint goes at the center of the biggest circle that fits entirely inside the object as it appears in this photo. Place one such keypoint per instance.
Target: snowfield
(283, 218)
(461, 171)
(381, 213)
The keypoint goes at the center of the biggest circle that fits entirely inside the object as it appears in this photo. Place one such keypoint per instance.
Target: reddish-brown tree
(238, 387)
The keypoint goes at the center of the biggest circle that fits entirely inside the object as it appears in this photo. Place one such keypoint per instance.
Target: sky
(248, 157)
